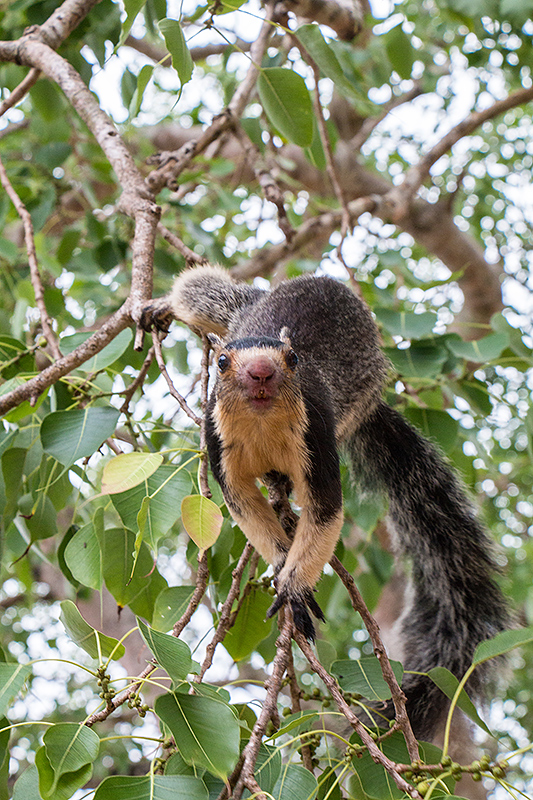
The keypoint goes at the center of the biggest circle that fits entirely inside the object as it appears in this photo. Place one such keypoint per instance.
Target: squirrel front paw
(299, 600)
(158, 314)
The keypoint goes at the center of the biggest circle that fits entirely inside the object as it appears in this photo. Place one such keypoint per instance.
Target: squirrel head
(254, 369)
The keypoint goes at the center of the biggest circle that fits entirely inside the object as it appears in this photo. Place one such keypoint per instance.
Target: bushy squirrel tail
(454, 602)
(207, 299)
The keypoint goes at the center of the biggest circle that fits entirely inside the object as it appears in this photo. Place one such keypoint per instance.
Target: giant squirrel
(299, 377)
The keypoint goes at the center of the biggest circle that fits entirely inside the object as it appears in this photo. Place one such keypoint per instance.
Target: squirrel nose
(261, 370)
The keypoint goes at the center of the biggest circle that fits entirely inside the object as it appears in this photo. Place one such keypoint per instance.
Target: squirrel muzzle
(260, 377)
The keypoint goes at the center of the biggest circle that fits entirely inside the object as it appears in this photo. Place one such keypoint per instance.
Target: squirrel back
(300, 376)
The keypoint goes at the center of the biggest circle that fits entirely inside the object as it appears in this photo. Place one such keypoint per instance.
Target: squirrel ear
(215, 341)
(284, 336)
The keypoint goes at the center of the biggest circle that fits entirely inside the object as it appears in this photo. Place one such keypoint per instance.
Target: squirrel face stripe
(300, 375)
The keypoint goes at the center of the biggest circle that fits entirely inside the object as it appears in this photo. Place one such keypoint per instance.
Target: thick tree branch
(90, 347)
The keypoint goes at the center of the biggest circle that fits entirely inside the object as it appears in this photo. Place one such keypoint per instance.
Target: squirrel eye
(291, 359)
(223, 362)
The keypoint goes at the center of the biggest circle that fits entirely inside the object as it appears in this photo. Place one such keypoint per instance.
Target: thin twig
(331, 684)
(175, 163)
(370, 123)
(279, 665)
(123, 697)
(139, 380)
(271, 189)
(189, 255)
(315, 228)
(172, 389)
(202, 577)
(330, 164)
(400, 196)
(224, 621)
(305, 750)
(398, 697)
(19, 91)
(35, 275)
(204, 387)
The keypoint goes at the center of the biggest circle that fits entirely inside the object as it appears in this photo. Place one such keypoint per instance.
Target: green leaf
(475, 392)
(135, 584)
(324, 56)
(69, 747)
(107, 356)
(365, 677)
(435, 424)
(143, 79)
(482, 350)
(128, 470)
(171, 653)
(27, 786)
(226, 6)
(177, 47)
(251, 625)
(133, 7)
(83, 557)
(400, 51)
(295, 783)
(63, 787)
(408, 325)
(201, 519)
(501, 643)
(170, 605)
(166, 487)
(41, 516)
(418, 361)
(267, 767)
(371, 780)
(151, 787)
(14, 357)
(448, 683)
(25, 408)
(196, 723)
(287, 103)
(12, 678)
(86, 637)
(300, 721)
(79, 432)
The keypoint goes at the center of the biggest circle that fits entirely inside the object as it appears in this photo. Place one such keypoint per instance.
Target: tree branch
(269, 709)
(20, 91)
(89, 348)
(175, 163)
(35, 275)
(225, 619)
(398, 697)
(171, 388)
(400, 196)
(377, 755)
(345, 17)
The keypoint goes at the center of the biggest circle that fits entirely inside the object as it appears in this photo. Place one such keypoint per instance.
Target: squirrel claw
(299, 603)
